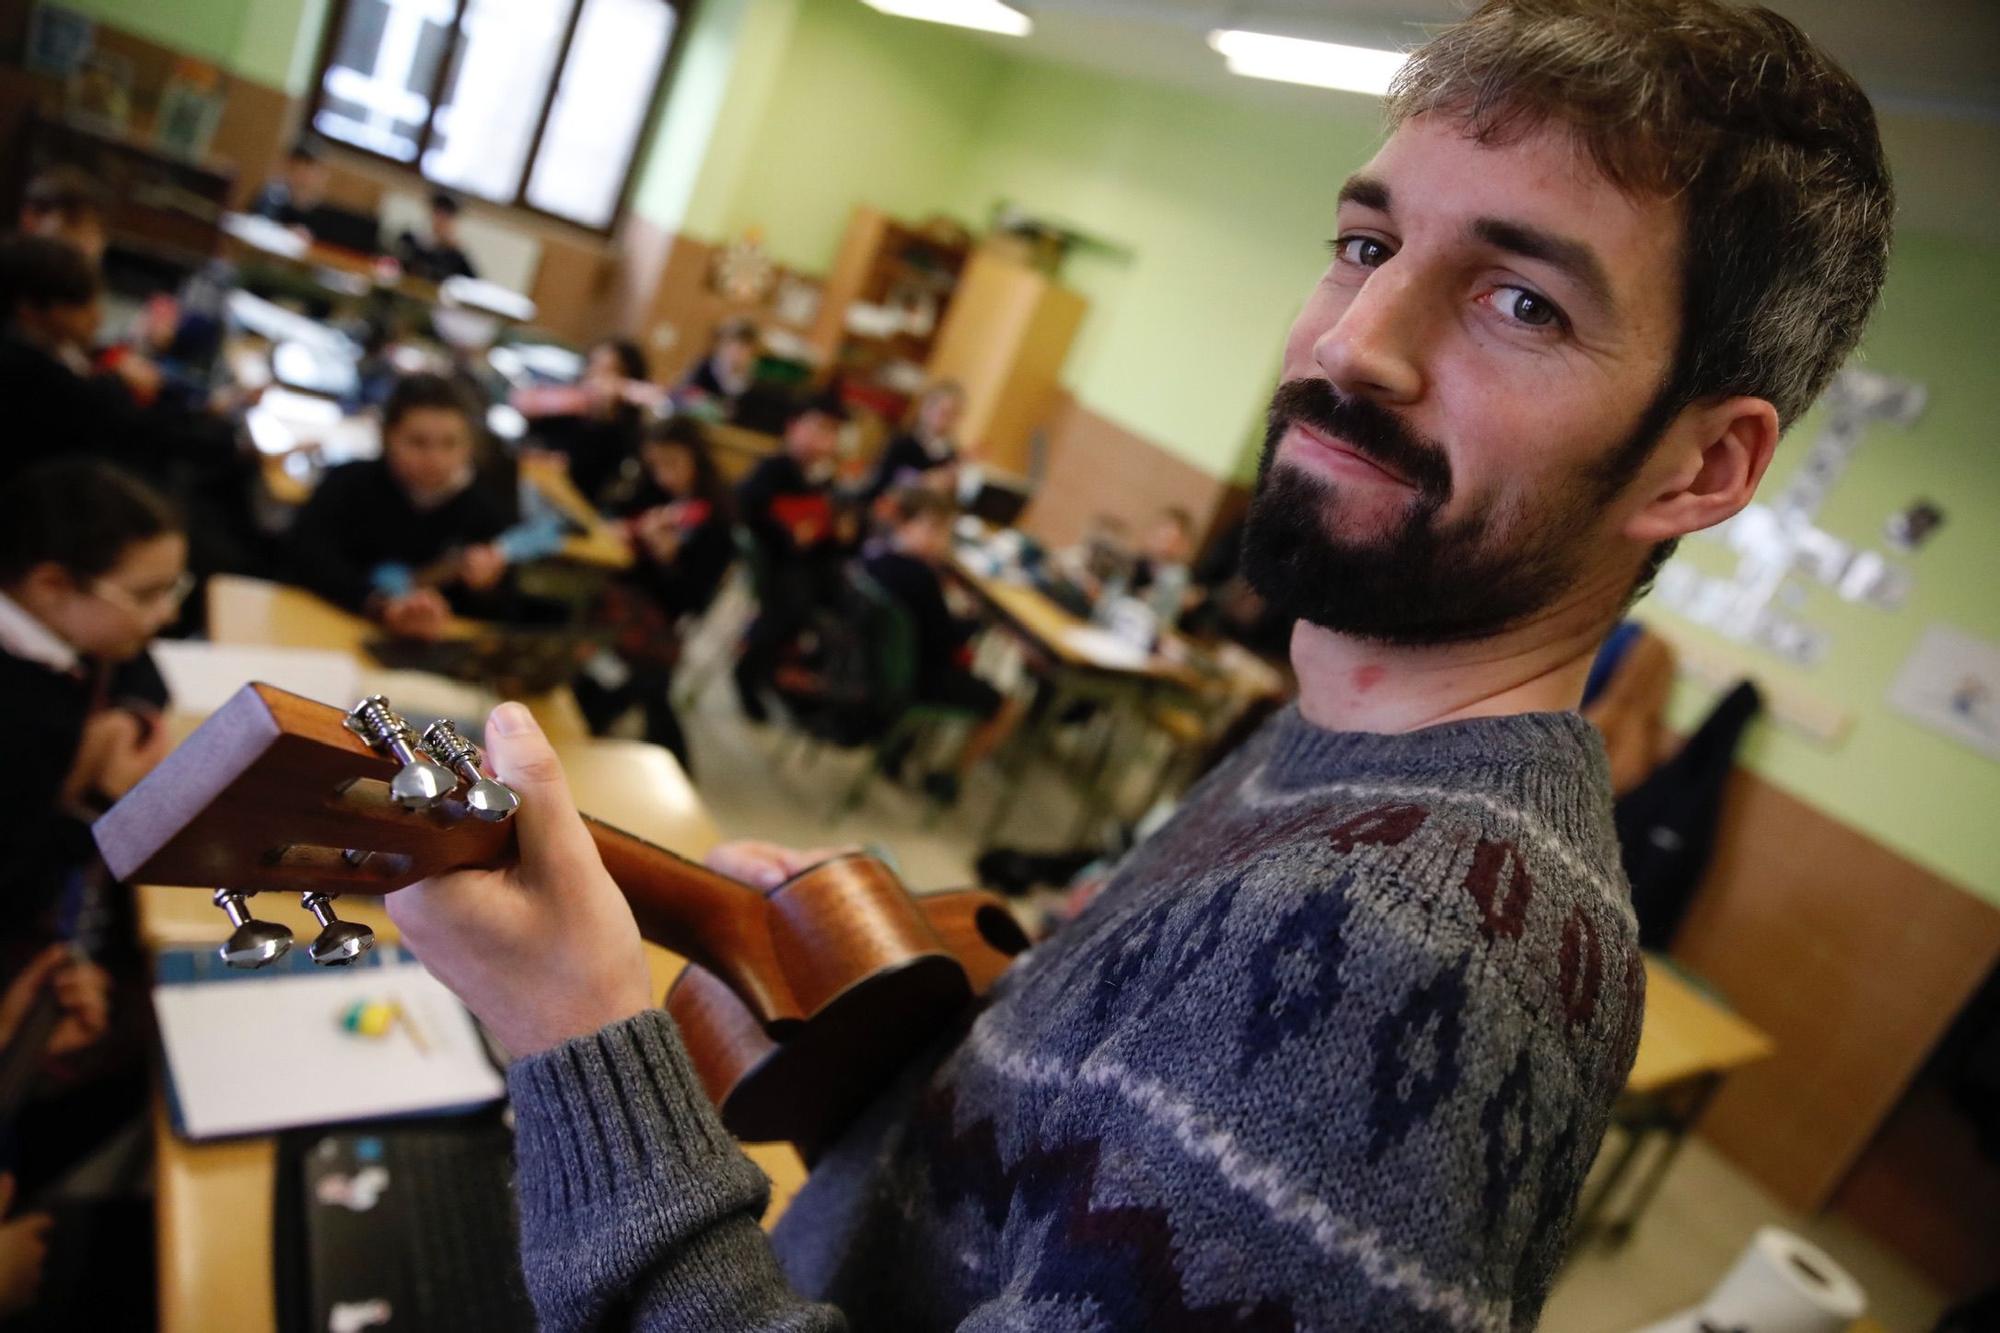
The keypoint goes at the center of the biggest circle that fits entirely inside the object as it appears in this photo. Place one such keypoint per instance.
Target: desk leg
(1676, 1127)
(1025, 747)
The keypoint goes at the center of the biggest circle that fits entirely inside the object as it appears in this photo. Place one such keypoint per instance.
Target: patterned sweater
(1333, 1050)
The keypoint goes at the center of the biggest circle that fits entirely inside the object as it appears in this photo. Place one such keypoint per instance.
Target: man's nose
(1374, 349)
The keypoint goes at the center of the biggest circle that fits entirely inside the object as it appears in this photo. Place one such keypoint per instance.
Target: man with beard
(1336, 1047)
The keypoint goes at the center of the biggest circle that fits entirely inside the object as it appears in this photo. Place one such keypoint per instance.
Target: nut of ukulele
(339, 942)
(253, 943)
(488, 798)
(423, 781)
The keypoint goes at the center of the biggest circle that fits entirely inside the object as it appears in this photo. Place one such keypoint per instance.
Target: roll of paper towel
(1783, 1285)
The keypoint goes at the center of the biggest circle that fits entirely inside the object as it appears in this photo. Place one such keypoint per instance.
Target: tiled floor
(757, 785)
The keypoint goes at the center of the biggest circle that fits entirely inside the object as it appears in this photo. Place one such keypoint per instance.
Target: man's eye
(1362, 251)
(1526, 307)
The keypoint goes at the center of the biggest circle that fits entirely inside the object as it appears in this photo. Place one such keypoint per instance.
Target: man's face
(429, 452)
(1496, 327)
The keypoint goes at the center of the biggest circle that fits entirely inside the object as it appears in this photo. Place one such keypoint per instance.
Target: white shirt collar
(23, 636)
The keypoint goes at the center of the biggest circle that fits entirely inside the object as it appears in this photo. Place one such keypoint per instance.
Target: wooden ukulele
(797, 1004)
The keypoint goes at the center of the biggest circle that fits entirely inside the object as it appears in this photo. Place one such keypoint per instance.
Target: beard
(1428, 579)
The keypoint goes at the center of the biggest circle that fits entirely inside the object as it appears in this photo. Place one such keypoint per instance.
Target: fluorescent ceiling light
(985, 15)
(1354, 69)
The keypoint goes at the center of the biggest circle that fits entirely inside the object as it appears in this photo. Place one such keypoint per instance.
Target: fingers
(555, 845)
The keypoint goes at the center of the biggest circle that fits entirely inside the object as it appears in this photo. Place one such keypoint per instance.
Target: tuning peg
(253, 943)
(423, 781)
(488, 798)
(339, 942)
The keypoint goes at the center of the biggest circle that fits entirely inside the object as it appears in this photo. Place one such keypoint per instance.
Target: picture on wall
(1951, 684)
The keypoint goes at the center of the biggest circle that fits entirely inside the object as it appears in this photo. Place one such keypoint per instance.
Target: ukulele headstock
(276, 793)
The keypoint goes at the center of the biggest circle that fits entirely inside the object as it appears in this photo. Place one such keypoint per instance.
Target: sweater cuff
(620, 1109)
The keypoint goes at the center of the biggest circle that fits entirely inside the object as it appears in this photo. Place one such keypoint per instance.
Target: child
(906, 565)
(92, 566)
(408, 538)
(786, 504)
(925, 451)
(595, 424)
(677, 521)
(441, 256)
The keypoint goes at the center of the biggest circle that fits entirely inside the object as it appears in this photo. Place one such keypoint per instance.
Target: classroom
(703, 665)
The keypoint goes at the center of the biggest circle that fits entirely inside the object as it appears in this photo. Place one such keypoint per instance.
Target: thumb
(552, 835)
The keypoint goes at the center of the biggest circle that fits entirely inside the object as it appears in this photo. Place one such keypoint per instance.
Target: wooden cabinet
(1005, 338)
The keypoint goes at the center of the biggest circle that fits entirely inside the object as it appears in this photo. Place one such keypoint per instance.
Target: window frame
(336, 19)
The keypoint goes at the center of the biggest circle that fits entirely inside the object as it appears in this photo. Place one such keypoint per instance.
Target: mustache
(1370, 429)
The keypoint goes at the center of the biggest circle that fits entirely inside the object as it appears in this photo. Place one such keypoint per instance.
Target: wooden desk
(261, 613)
(213, 1203)
(1690, 1042)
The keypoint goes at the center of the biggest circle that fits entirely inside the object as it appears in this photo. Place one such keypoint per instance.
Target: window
(536, 103)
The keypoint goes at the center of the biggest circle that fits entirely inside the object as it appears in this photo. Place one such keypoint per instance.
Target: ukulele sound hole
(997, 926)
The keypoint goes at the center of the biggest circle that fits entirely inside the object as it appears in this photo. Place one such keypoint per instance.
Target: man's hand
(416, 615)
(24, 1243)
(766, 865)
(544, 950)
(82, 989)
(482, 567)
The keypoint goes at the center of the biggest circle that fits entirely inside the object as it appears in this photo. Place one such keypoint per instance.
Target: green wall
(1932, 799)
(269, 41)
(864, 109)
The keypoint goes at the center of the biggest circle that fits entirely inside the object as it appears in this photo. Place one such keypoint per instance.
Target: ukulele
(796, 1006)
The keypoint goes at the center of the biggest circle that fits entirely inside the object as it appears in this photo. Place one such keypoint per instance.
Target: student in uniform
(50, 308)
(677, 519)
(721, 378)
(65, 204)
(293, 197)
(408, 538)
(905, 563)
(441, 256)
(596, 424)
(787, 506)
(925, 451)
(92, 566)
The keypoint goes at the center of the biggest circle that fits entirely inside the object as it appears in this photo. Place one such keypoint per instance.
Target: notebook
(296, 1044)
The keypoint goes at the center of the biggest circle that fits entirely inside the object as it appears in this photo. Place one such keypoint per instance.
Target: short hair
(1770, 148)
(415, 393)
(41, 272)
(736, 329)
(908, 504)
(80, 514)
(442, 202)
(303, 151)
(67, 192)
(827, 404)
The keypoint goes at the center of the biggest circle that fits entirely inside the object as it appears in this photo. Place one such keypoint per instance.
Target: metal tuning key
(339, 942)
(488, 798)
(253, 943)
(423, 781)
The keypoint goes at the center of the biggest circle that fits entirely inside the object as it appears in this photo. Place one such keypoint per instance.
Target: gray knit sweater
(1333, 1050)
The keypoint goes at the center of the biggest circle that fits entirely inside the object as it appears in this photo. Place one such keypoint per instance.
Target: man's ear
(1707, 469)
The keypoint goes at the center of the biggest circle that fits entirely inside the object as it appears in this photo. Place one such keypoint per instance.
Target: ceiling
(1932, 67)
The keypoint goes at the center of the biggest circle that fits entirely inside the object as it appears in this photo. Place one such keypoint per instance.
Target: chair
(892, 660)
(731, 609)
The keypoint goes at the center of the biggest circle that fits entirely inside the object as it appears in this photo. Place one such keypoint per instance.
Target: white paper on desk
(1105, 649)
(202, 676)
(248, 1056)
